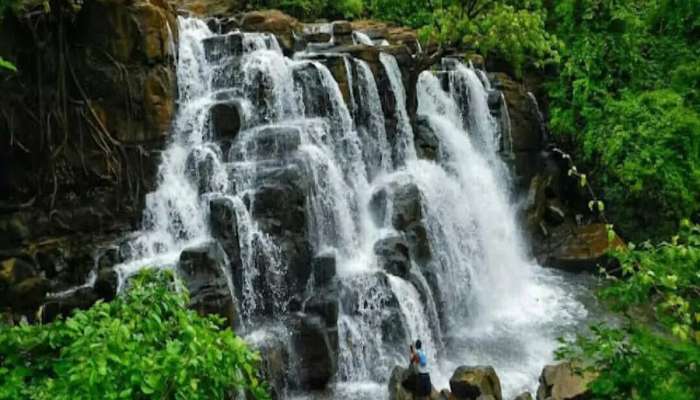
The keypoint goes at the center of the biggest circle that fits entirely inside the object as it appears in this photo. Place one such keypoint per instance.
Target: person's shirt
(422, 362)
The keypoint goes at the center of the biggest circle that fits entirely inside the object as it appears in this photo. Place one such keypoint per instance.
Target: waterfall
(424, 249)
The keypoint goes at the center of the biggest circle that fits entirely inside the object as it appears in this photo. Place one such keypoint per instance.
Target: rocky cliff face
(91, 107)
(82, 124)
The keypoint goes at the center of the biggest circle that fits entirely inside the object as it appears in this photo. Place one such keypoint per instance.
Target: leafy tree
(144, 344)
(627, 96)
(517, 35)
(312, 9)
(513, 30)
(655, 353)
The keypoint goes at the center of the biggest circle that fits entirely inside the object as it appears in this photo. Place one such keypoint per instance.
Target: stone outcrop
(561, 382)
(400, 383)
(284, 27)
(86, 114)
(203, 269)
(316, 345)
(470, 383)
(581, 248)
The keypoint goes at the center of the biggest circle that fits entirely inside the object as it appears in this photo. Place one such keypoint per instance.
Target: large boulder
(71, 181)
(400, 386)
(582, 248)
(523, 396)
(203, 269)
(324, 269)
(226, 119)
(284, 27)
(397, 389)
(316, 346)
(425, 139)
(469, 383)
(561, 382)
(393, 256)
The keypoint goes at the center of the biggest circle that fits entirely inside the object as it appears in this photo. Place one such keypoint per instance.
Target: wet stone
(226, 119)
(218, 47)
(324, 269)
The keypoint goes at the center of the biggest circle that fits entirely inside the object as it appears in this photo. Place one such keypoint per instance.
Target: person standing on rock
(419, 366)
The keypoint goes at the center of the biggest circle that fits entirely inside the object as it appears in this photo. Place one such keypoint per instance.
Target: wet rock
(342, 33)
(106, 283)
(202, 268)
(317, 37)
(284, 27)
(274, 143)
(524, 396)
(224, 228)
(324, 303)
(324, 269)
(13, 230)
(372, 295)
(378, 206)
(342, 28)
(275, 365)
(472, 382)
(200, 166)
(525, 128)
(317, 349)
(582, 248)
(28, 294)
(393, 256)
(220, 46)
(401, 386)
(226, 119)
(336, 65)
(397, 389)
(561, 382)
(222, 25)
(426, 141)
(535, 203)
(317, 102)
(554, 214)
(407, 206)
(278, 204)
(21, 289)
(81, 299)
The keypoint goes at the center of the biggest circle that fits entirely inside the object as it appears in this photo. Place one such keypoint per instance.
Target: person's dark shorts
(423, 385)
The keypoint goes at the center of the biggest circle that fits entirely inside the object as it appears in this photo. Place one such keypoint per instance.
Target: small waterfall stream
(468, 291)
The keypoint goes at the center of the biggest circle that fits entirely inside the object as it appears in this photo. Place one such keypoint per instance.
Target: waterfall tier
(294, 196)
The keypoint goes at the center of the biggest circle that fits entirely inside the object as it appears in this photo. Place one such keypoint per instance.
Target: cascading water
(465, 284)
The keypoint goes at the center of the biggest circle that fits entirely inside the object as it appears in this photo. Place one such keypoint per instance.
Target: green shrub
(627, 96)
(658, 358)
(646, 148)
(144, 344)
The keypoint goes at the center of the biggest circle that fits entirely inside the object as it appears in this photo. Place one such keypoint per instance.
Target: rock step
(235, 44)
(274, 142)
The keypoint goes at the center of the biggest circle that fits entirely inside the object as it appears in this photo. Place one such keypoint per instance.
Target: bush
(659, 359)
(646, 148)
(627, 96)
(144, 344)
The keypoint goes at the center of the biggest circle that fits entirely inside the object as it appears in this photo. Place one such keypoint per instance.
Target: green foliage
(647, 149)
(313, 9)
(628, 96)
(416, 14)
(516, 35)
(658, 362)
(512, 30)
(144, 344)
